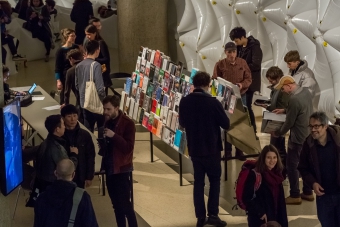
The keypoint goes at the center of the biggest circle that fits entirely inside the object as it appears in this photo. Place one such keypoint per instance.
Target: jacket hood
(301, 68)
(252, 42)
(60, 192)
(334, 131)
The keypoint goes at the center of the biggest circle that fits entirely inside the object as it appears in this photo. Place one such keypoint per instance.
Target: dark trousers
(292, 162)
(249, 102)
(328, 210)
(210, 165)
(44, 36)
(254, 221)
(119, 189)
(9, 40)
(279, 143)
(91, 118)
(3, 54)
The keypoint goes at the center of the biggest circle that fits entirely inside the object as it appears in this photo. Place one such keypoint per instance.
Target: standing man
(320, 167)
(82, 140)
(297, 114)
(202, 116)
(119, 137)
(250, 50)
(83, 70)
(54, 206)
(236, 71)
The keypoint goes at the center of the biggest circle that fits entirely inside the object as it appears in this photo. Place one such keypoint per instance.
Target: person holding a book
(297, 114)
(278, 100)
(202, 116)
(236, 71)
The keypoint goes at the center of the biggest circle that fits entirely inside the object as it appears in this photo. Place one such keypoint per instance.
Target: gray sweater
(299, 109)
(83, 75)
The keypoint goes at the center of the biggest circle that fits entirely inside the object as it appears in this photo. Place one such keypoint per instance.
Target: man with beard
(117, 150)
(320, 167)
(82, 140)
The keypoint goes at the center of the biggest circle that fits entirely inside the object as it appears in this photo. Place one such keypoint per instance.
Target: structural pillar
(140, 23)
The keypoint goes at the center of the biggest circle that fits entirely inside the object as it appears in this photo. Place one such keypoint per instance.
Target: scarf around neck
(274, 179)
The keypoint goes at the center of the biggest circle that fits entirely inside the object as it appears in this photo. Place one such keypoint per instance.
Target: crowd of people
(65, 160)
(312, 152)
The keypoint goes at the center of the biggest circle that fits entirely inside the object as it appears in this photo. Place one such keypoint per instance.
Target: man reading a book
(297, 115)
(236, 71)
(202, 116)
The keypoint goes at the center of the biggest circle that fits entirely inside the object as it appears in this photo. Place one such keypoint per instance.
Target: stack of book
(152, 95)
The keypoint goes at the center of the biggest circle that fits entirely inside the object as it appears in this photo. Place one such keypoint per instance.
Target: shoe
(216, 221)
(257, 138)
(17, 57)
(47, 58)
(293, 201)
(201, 222)
(307, 197)
(52, 46)
(239, 155)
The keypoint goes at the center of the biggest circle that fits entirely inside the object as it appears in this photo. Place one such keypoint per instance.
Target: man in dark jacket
(82, 140)
(53, 207)
(74, 56)
(250, 50)
(50, 152)
(202, 116)
(119, 137)
(319, 167)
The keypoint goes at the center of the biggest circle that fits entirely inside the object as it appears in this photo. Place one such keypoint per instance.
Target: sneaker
(201, 222)
(17, 57)
(307, 197)
(216, 221)
(47, 58)
(293, 201)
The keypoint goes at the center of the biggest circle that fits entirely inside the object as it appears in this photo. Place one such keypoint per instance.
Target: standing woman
(62, 64)
(268, 202)
(38, 18)
(81, 13)
(92, 33)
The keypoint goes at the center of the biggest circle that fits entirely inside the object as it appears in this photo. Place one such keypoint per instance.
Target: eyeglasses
(314, 126)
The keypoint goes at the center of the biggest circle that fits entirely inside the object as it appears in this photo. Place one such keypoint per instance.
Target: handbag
(92, 102)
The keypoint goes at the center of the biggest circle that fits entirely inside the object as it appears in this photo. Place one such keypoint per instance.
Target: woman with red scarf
(268, 202)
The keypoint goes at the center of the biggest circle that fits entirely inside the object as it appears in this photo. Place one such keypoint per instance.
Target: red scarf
(274, 179)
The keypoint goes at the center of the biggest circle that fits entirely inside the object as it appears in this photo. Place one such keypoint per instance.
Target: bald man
(53, 207)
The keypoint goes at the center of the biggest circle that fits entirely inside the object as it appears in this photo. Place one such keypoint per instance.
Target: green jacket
(278, 99)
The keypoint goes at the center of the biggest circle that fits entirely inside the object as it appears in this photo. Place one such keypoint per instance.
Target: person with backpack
(63, 204)
(259, 189)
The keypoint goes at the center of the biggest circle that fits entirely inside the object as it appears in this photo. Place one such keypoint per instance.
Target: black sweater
(202, 116)
(80, 15)
(61, 63)
(104, 58)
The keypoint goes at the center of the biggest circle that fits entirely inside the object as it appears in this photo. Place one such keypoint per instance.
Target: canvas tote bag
(92, 102)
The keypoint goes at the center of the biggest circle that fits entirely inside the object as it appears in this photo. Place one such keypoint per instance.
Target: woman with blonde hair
(62, 64)
(268, 202)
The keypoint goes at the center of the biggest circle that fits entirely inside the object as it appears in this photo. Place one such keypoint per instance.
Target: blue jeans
(328, 210)
(210, 165)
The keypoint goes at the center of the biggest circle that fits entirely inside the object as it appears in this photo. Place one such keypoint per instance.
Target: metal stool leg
(16, 202)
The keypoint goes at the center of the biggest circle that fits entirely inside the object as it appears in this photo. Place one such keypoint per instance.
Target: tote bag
(92, 102)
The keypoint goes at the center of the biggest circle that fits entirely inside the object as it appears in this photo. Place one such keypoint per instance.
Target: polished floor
(159, 200)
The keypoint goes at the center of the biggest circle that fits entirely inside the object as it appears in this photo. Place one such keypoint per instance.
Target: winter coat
(53, 207)
(252, 53)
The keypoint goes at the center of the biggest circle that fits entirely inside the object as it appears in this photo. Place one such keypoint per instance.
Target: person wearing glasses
(297, 114)
(320, 167)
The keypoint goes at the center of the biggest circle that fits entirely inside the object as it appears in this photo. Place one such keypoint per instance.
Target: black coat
(252, 54)
(34, 26)
(82, 139)
(104, 58)
(202, 116)
(53, 207)
(263, 203)
(80, 15)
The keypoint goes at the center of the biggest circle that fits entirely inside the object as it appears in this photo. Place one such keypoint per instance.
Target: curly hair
(65, 33)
